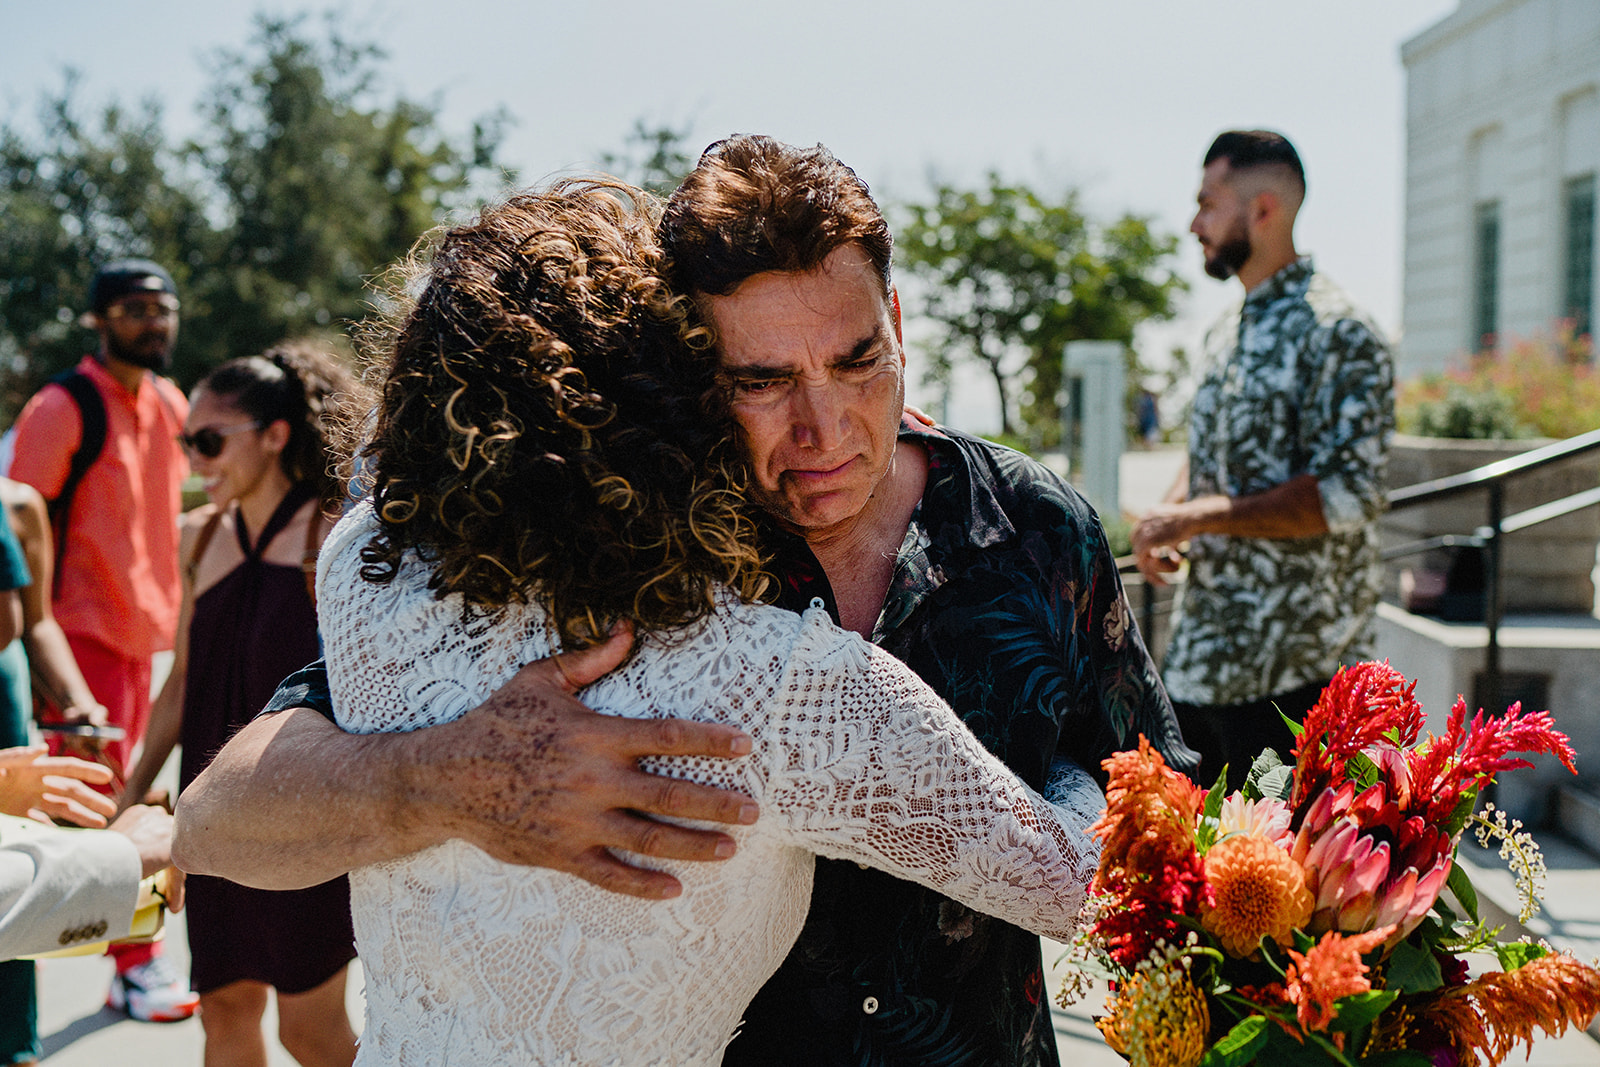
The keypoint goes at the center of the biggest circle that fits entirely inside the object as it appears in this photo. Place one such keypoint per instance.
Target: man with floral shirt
(979, 568)
(1285, 477)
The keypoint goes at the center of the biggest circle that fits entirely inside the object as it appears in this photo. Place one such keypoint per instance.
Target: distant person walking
(100, 443)
(1147, 414)
(257, 432)
(1285, 477)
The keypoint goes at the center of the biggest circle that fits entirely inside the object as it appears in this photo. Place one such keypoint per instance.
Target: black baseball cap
(117, 279)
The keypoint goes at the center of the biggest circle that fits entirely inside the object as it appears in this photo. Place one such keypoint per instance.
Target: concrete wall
(1502, 103)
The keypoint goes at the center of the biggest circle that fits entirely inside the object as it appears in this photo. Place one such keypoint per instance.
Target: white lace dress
(475, 962)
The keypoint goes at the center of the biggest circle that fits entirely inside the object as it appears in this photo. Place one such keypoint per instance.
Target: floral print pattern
(1296, 381)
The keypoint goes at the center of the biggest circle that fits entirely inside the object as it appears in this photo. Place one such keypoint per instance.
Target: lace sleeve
(871, 766)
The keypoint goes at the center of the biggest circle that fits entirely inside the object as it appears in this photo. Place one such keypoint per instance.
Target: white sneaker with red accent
(152, 992)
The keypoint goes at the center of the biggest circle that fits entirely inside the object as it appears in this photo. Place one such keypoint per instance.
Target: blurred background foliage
(306, 181)
(1544, 386)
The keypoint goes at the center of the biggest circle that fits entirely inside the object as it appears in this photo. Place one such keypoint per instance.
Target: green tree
(1011, 277)
(321, 182)
(305, 182)
(74, 194)
(653, 157)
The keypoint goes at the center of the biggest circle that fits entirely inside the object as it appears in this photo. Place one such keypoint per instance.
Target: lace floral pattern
(473, 961)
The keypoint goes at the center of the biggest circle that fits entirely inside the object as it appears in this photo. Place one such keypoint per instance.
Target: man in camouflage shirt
(1285, 476)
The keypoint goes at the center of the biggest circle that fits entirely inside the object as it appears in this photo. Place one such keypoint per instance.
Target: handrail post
(1493, 600)
(1147, 613)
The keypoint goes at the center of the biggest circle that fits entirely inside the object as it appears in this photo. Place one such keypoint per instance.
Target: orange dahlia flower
(1258, 890)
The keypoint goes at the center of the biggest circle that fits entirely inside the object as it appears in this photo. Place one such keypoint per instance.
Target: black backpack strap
(92, 414)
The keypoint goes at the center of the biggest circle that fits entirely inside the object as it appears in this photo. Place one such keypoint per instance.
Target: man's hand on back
(533, 776)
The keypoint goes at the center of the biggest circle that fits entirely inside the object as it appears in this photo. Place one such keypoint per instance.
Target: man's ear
(91, 321)
(894, 306)
(1264, 208)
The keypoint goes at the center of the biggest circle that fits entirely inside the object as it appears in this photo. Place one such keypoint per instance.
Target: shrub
(1539, 387)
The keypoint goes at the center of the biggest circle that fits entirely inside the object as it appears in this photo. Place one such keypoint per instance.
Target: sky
(1118, 99)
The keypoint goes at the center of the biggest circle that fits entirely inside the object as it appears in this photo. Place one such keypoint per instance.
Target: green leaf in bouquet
(1239, 1045)
(1361, 1009)
(1461, 812)
(1402, 1057)
(1360, 769)
(1294, 725)
(1276, 783)
(1413, 968)
(1281, 1050)
(1269, 777)
(1514, 954)
(1462, 889)
(1205, 834)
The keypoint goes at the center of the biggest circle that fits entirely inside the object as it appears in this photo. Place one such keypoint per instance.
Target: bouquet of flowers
(1317, 915)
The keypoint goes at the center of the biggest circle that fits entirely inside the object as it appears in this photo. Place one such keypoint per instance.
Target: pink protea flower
(1380, 856)
(1369, 865)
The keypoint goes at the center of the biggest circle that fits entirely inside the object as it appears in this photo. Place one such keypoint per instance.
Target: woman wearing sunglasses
(257, 434)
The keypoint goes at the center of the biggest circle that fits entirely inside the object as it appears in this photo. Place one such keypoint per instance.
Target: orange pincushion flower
(1332, 969)
(1159, 1018)
(1258, 891)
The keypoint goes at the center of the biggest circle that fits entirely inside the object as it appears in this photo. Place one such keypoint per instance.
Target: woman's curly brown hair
(545, 429)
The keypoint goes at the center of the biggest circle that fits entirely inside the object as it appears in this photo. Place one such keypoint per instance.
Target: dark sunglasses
(208, 441)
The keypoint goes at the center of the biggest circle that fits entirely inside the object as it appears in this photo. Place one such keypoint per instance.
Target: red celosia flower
(1149, 868)
(1447, 768)
(1360, 708)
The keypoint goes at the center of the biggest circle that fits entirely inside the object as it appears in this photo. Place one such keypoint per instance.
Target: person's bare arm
(49, 655)
(10, 616)
(1292, 509)
(165, 728)
(531, 776)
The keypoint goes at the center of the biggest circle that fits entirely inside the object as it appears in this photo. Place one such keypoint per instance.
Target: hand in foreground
(46, 787)
(532, 776)
(92, 714)
(150, 830)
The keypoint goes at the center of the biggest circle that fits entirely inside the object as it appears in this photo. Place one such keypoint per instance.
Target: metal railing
(1490, 479)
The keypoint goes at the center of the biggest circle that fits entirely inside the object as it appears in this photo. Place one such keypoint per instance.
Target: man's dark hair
(754, 204)
(1248, 149)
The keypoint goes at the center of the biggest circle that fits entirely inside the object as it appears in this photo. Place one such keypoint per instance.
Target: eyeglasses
(143, 312)
(207, 442)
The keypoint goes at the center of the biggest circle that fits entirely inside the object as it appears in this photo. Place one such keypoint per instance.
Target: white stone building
(1502, 150)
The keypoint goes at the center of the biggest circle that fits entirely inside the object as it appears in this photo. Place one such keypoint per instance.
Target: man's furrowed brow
(756, 372)
(862, 348)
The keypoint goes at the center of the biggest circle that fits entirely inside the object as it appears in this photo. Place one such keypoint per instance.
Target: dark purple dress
(248, 632)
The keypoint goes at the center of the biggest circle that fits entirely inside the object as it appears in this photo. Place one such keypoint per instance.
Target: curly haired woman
(551, 459)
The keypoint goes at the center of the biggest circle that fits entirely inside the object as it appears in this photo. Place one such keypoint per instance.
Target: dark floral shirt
(1006, 600)
(1296, 381)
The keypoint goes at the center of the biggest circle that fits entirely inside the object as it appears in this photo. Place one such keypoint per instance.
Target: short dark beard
(141, 356)
(1230, 256)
